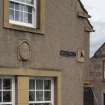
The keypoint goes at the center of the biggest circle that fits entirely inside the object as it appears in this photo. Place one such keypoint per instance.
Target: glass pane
(39, 95)
(6, 96)
(11, 5)
(30, 1)
(32, 84)
(25, 17)
(47, 84)
(0, 96)
(29, 9)
(7, 84)
(0, 83)
(21, 7)
(39, 84)
(30, 18)
(21, 16)
(16, 6)
(32, 96)
(17, 15)
(11, 14)
(26, 8)
(47, 96)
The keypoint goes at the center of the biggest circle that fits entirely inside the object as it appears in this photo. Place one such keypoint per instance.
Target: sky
(96, 9)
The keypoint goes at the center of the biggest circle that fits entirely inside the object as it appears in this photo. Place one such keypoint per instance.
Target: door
(88, 96)
(104, 98)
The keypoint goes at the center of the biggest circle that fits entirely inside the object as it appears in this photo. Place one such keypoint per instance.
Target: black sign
(67, 53)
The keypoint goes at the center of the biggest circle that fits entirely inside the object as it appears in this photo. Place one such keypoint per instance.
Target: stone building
(44, 48)
(97, 75)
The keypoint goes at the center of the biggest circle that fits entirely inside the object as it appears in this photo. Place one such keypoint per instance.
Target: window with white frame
(7, 91)
(41, 91)
(22, 12)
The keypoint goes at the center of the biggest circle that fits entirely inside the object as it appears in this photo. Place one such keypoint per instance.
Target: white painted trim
(24, 3)
(21, 24)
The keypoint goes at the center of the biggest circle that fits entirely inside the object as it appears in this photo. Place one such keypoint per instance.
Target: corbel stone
(83, 15)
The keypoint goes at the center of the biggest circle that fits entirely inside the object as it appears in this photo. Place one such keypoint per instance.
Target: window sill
(25, 28)
(21, 24)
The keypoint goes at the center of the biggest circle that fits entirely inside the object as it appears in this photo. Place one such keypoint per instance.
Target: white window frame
(34, 16)
(52, 90)
(12, 90)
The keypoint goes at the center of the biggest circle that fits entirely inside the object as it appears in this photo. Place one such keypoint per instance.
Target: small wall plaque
(24, 51)
(80, 55)
(65, 53)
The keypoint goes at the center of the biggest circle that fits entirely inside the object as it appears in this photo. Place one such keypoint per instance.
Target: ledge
(88, 29)
(83, 15)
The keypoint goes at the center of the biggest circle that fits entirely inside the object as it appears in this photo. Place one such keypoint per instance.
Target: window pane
(47, 84)
(39, 84)
(32, 84)
(11, 14)
(29, 18)
(16, 6)
(47, 96)
(11, 5)
(32, 96)
(29, 9)
(25, 17)
(17, 15)
(6, 96)
(21, 16)
(39, 95)
(21, 7)
(26, 8)
(7, 84)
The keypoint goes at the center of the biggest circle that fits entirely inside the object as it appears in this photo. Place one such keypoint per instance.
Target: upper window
(22, 12)
(24, 15)
(41, 91)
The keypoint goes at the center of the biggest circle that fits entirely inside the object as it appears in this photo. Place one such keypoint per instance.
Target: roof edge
(82, 6)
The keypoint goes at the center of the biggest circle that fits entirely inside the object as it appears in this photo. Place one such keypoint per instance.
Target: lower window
(7, 91)
(41, 91)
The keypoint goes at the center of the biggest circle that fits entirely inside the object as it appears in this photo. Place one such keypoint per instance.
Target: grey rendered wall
(63, 31)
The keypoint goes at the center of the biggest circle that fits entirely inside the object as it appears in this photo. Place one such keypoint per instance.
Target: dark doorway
(104, 98)
(88, 96)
